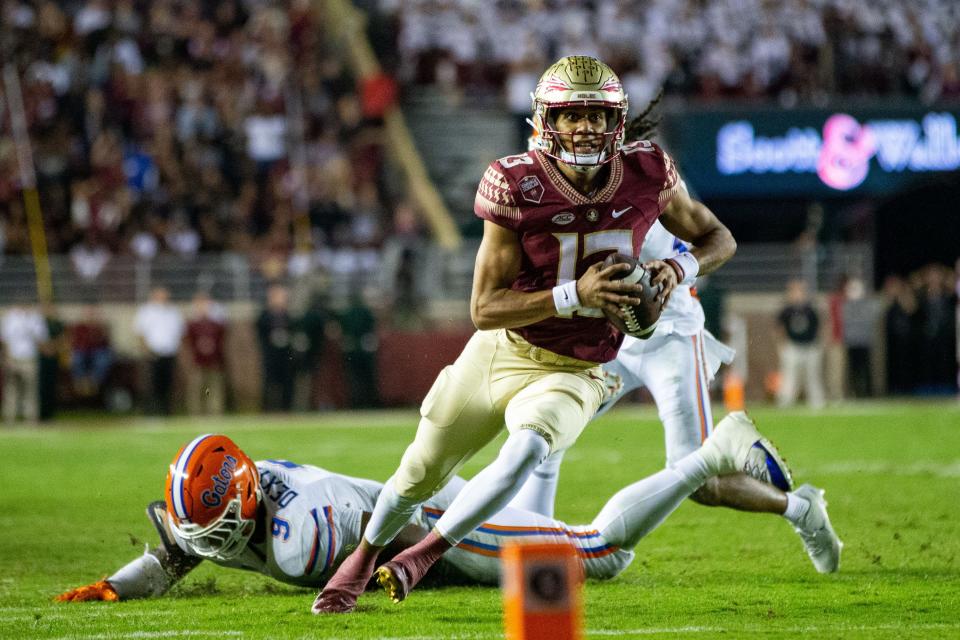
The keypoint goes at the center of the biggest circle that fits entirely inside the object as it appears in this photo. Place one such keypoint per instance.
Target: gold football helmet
(579, 81)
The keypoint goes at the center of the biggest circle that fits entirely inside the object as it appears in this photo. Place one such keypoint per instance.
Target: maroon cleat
(395, 580)
(342, 590)
(399, 576)
(334, 601)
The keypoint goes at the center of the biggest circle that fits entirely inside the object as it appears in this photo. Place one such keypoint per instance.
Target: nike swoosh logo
(617, 214)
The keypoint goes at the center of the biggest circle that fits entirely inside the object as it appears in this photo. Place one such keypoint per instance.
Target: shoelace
(816, 542)
(757, 470)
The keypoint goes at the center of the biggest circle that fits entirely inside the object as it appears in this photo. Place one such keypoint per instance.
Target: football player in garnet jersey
(677, 364)
(295, 523)
(551, 216)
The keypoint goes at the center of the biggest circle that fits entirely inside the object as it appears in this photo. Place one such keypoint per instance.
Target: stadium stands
(228, 145)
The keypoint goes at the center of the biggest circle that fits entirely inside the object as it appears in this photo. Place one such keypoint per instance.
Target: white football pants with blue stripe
(605, 546)
(677, 370)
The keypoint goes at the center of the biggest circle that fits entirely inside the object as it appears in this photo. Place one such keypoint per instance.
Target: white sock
(694, 468)
(141, 578)
(797, 508)
(391, 513)
(490, 490)
(539, 492)
(638, 509)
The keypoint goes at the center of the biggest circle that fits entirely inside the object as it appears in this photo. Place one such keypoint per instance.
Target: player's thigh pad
(457, 419)
(557, 405)
(627, 365)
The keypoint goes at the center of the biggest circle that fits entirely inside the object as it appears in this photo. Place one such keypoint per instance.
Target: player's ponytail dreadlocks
(644, 125)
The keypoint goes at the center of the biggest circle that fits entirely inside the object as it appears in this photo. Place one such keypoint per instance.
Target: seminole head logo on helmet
(213, 490)
(578, 81)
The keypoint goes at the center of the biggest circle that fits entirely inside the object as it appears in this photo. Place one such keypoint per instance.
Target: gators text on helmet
(212, 494)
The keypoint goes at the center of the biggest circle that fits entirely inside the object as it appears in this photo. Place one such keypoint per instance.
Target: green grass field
(72, 500)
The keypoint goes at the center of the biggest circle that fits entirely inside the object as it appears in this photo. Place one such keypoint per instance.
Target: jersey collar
(570, 193)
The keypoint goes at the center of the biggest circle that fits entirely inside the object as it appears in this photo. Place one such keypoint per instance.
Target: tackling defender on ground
(296, 523)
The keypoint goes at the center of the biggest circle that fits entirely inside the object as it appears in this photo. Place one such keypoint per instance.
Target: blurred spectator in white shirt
(22, 330)
(89, 258)
(266, 136)
(160, 326)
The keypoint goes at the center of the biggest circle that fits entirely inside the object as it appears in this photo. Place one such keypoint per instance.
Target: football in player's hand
(641, 319)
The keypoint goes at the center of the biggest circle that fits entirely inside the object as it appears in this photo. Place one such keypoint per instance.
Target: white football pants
(677, 370)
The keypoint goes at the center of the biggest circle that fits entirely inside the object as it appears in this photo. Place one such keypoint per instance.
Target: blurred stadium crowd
(171, 127)
(312, 356)
(856, 345)
(181, 127)
(298, 357)
(745, 49)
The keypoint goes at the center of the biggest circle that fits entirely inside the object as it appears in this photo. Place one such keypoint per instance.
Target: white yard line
(760, 629)
(696, 630)
(27, 613)
(180, 633)
(471, 636)
(654, 631)
(685, 630)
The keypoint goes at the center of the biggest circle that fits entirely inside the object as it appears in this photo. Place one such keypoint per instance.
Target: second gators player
(676, 364)
(551, 216)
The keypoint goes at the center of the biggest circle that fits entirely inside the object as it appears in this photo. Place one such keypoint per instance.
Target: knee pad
(416, 477)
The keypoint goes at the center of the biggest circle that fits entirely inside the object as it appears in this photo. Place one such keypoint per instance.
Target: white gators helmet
(579, 81)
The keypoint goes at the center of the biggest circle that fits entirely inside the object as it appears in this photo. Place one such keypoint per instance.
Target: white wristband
(688, 265)
(565, 298)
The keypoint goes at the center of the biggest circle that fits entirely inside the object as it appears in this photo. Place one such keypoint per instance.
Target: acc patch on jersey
(531, 189)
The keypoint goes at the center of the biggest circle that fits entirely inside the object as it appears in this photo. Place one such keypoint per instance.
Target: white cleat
(819, 539)
(736, 446)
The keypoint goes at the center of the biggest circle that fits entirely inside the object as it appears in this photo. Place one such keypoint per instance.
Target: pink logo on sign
(845, 155)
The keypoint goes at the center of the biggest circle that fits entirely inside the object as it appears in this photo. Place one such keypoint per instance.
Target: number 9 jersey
(563, 232)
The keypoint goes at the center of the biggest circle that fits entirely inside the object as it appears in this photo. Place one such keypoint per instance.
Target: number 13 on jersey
(618, 240)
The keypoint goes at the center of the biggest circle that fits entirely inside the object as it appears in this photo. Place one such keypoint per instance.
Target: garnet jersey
(562, 232)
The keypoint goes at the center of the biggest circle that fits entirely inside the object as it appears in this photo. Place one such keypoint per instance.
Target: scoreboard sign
(819, 153)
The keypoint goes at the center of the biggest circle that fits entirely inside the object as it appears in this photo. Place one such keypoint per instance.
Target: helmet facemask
(561, 145)
(224, 538)
(578, 81)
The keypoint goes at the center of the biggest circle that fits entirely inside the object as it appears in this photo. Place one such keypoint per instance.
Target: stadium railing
(443, 276)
